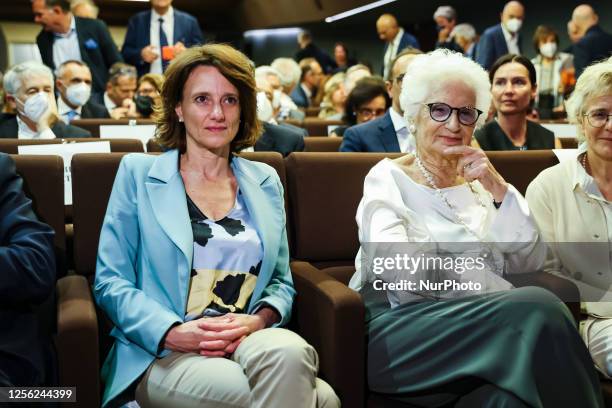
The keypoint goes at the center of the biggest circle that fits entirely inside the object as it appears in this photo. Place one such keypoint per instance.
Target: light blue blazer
(146, 252)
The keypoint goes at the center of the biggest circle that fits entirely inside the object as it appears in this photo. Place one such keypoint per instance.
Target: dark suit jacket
(408, 40)
(93, 110)
(377, 135)
(9, 128)
(594, 46)
(186, 30)
(299, 96)
(492, 45)
(312, 51)
(27, 263)
(278, 138)
(98, 50)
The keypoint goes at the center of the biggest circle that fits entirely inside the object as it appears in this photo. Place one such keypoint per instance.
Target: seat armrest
(77, 340)
(330, 316)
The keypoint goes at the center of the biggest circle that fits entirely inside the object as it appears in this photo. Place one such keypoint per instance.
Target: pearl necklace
(429, 177)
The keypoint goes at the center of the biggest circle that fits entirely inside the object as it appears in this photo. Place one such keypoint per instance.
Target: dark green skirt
(514, 348)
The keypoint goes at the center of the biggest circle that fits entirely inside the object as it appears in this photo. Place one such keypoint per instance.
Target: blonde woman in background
(334, 97)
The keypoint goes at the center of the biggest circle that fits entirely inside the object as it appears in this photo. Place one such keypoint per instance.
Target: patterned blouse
(227, 257)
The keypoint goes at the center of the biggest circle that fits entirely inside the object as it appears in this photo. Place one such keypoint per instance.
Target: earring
(181, 120)
(412, 129)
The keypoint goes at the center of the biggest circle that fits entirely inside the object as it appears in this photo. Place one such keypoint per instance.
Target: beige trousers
(272, 368)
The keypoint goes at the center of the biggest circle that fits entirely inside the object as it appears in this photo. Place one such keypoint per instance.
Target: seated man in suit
(310, 80)
(120, 91)
(29, 86)
(66, 37)
(155, 36)
(388, 133)
(27, 262)
(74, 87)
(594, 44)
(503, 38)
(395, 38)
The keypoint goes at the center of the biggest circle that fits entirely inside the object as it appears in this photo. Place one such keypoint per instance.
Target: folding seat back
(519, 168)
(322, 144)
(319, 127)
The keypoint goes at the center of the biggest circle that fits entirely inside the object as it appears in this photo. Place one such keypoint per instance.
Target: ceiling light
(358, 10)
(286, 31)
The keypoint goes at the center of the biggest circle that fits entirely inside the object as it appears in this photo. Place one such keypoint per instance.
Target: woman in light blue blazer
(193, 264)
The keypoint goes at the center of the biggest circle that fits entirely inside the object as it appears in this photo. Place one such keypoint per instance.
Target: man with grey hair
(84, 8)
(282, 104)
(74, 87)
(30, 86)
(66, 37)
(502, 38)
(446, 19)
(120, 90)
(594, 44)
(289, 72)
(465, 36)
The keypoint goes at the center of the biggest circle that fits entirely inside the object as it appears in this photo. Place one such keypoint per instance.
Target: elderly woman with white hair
(572, 205)
(479, 341)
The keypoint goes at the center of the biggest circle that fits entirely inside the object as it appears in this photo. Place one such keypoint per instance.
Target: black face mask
(144, 105)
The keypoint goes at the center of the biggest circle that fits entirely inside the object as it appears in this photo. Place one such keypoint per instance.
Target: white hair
(447, 12)
(15, 77)
(75, 3)
(426, 73)
(288, 69)
(263, 71)
(595, 81)
(464, 30)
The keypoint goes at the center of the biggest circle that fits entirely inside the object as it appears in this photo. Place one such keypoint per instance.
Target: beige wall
(27, 32)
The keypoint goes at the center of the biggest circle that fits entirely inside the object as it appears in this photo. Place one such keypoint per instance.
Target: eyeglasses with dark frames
(440, 112)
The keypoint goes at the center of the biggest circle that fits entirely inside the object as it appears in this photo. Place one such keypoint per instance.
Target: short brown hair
(235, 67)
(541, 33)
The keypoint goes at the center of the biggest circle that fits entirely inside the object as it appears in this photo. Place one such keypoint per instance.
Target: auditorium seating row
(322, 191)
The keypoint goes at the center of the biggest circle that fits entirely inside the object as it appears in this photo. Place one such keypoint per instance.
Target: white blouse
(396, 214)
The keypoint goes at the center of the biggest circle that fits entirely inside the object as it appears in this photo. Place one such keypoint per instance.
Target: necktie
(163, 42)
(71, 115)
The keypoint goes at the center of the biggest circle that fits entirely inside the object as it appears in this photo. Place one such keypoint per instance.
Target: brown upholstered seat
(324, 191)
(322, 144)
(72, 315)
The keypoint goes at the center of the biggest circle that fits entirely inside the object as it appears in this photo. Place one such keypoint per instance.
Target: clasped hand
(473, 164)
(213, 336)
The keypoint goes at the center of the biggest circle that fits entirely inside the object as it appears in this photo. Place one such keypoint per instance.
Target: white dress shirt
(63, 109)
(24, 132)
(156, 66)
(308, 93)
(405, 139)
(397, 214)
(391, 52)
(66, 46)
(108, 102)
(511, 41)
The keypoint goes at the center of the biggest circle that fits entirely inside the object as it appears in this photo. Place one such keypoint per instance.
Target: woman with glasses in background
(572, 205)
(514, 88)
(487, 346)
(368, 100)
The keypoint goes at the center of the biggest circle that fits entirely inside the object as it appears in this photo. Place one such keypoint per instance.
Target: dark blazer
(186, 30)
(492, 137)
(93, 110)
(377, 135)
(594, 46)
(279, 138)
(9, 128)
(312, 51)
(299, 96)
(98, 50)
(492, 45)
(407, 40)
(27, 263)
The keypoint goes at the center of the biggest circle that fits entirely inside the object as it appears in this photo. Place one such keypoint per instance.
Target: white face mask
(276, 98)
(549, 49)
(514, 25)
(264, 107)
(36, 106)
(78, 94)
